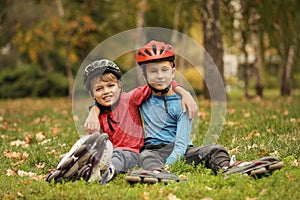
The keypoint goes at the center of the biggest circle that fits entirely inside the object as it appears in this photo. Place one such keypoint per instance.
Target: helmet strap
(163, 93)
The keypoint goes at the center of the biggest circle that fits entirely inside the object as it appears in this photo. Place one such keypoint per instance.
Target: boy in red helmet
(167, 127)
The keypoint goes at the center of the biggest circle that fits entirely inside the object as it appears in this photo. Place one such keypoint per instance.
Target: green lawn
(34, 133)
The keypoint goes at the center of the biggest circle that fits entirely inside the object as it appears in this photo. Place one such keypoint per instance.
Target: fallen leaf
(40, 165)
(20, 194)
(285, 112)
(12, 155)
(56, 130)
(45, 141)
(208, 188)
(290, 177)
(247, 115)
(145, 195)
(275, 153)
(4, 136)
(10, 172)
(252, 146)
(235, 150)
(19, 143)
(16, 155)
(248, 198)
(40, 136)
(295, 163)
(173, 197)
(262, 153)
(231, 123)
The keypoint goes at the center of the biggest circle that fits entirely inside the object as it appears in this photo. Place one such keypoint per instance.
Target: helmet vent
(154, 49)
(162, 50)
(147, 52)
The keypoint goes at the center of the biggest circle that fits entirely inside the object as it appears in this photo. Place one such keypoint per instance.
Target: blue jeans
(124, 160)
(213, 156)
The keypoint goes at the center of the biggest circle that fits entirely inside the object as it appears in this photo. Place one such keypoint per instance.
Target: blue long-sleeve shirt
(164, 128)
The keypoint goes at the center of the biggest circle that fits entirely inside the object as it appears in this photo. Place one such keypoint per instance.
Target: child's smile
(107, 93)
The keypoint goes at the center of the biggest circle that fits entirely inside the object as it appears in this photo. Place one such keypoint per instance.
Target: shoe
(154, 176)
(87, 158)
(255, 168)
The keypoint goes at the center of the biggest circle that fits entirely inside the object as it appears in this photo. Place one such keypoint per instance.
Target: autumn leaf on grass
(19, 143)
(21, 173)
(3, 136)
(291, 178)
(145, 195)
(235, 150)
(40, 165)
(285, 112)
(40, 136)
(15, 155)
(172, 197)
(55, 130)
(230, 123)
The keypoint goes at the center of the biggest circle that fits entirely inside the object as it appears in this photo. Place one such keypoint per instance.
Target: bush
(31, 81)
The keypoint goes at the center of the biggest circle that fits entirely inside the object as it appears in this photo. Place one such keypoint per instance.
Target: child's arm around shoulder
(92, 124)
(187, 100)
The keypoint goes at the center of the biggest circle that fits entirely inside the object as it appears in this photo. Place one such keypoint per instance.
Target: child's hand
(92, 124)
(189, 103)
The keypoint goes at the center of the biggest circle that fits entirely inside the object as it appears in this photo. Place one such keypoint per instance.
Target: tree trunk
(176, 22)
(212, 39)
(258, 55)
(68, 66)
(140, 39)
(246, 64)
(285, 88)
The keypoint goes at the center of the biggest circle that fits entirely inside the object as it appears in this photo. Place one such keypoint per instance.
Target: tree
(213, 43)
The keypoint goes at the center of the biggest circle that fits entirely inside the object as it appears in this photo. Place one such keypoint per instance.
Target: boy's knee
(215, 148)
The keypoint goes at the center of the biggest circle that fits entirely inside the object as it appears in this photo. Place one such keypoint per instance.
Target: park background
(254, 43)
(43, 43)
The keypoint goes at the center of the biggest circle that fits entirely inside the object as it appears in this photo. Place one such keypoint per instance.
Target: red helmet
(153, 51)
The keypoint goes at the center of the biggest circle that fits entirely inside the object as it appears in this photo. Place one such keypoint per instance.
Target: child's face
(106, 93)
(160, 74)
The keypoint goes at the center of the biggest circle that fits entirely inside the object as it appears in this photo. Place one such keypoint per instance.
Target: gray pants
(124, 160)
(213, 156)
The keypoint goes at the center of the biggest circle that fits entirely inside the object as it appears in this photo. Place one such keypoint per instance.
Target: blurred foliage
(56, 36)
(30, 81)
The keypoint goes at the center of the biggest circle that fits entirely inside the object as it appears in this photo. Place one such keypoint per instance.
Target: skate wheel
(79, 150)
(71, 171)
(66, 164)
(93, 157)
(82, 172)
(259, 171)
(133, 179)
(85, 158)
(165, 181)
(276, 166)
(150, 180)
(54, 175)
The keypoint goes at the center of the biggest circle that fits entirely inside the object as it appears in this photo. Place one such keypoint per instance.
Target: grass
(35, 132)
